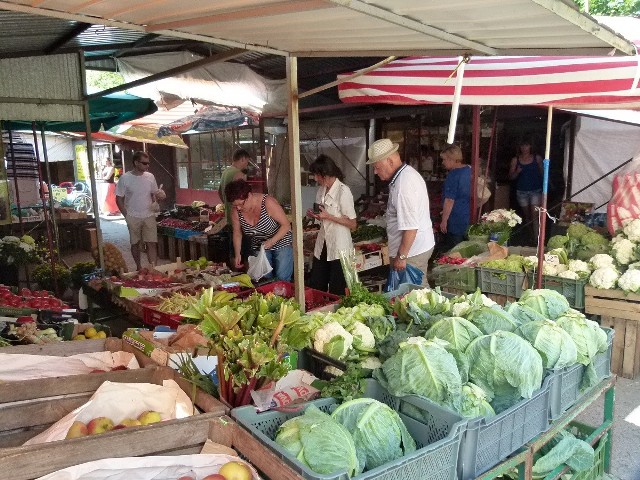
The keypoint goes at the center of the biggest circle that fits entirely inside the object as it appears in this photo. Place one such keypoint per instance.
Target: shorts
(529, 197)
(144, 229)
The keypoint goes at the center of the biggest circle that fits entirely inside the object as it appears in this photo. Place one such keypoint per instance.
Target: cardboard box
(89, 239)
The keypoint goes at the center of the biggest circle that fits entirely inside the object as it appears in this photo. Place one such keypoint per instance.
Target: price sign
(551, 259)
(58, 194)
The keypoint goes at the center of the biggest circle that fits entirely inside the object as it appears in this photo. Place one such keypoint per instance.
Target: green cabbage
(555, 346)
(491, 319)
(549, 303)
(422, 367)
(523, 313)
(421, 307)
(577, 230)
(455, 330)
(594, 238)
(474, 402)
(557, 241)
(320, 442)
(504, 365)
(379, 434)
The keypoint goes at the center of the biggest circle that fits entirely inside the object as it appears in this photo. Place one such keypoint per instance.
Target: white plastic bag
(259, 265)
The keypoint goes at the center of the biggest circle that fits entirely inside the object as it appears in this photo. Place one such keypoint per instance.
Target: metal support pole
(94, 189)
(52, 255)
(455, 104)
(56, 233)
(542, 212)
(475, 159)
(293, 127)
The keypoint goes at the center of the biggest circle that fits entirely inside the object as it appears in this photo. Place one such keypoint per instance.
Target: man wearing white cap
(409, 226)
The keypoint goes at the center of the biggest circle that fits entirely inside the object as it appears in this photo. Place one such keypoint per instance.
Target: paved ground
(626, 434)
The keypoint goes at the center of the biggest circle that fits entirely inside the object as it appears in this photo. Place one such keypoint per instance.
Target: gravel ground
(626, 431)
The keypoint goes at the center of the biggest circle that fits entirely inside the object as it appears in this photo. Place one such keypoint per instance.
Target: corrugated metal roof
(354, 27)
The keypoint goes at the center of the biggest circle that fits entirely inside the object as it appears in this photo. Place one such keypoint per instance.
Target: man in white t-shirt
(409, 228)
(137, 196)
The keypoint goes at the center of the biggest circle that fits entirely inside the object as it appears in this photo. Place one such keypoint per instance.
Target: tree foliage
(98, 80)
(612, 8)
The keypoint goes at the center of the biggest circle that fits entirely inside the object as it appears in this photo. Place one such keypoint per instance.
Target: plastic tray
(183, 234)
(572, 290)
(597, 471)
(489, 441)
(154, 318)
(500, 282)
(437, 434)
(565, 382)
(459, 278)
(314, 299)
(316, 362)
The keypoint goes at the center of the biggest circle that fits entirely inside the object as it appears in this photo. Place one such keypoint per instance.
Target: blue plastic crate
(183, 234)
(565, 382)
(489, 441)
(438, 433)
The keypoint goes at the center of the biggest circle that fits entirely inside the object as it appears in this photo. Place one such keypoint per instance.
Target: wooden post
(293, 128)
(475, 160)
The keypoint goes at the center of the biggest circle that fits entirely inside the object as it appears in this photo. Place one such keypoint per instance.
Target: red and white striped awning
(569, 82)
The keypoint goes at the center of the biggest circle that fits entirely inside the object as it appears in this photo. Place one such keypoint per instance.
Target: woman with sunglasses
(261, 218)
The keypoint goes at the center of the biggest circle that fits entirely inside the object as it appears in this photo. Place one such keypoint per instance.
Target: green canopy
(104, 112)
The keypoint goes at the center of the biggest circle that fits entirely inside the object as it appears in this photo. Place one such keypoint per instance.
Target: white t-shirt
(408, 209)
(338, 201)
(137, 191)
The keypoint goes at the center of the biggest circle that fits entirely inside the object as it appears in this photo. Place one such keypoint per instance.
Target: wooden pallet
(621, 312)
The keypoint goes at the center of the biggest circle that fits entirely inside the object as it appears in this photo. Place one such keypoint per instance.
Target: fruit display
(113, 259)
(175, 223)
(100, 425)
(145, 278)
(26, 298)
(29, 332)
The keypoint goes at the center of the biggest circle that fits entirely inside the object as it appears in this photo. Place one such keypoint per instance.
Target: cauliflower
(617, 239)
(363, 338)
(605, 277)
(601, 260)
(531, 262)
(634, 266)
(632, 230)
(577, 230)
(630, 281)
(371, 363)
(333, 371)
(460, 309)
(579, 266)
(557, 241)
(594, 238)
(486, 301)
(569, 274)
(333, 340)
(623, 252)
(549, 269)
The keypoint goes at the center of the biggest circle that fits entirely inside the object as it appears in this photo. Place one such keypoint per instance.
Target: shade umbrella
(105, 113)
(206, 119)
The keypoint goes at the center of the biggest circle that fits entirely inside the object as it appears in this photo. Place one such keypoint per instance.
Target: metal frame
(523, 460)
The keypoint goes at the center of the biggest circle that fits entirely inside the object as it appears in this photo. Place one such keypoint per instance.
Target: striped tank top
(262, 231)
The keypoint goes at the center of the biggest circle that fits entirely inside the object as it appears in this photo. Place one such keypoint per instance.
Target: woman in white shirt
(337, 215)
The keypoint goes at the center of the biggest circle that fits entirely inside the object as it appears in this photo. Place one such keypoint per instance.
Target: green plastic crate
(572, 290)
(437, 433)
(500, 282)
(455, 277)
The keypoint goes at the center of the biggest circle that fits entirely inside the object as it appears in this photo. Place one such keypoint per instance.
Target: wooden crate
(501, 300)
(22, 420)
(612, 303)
(621, 312)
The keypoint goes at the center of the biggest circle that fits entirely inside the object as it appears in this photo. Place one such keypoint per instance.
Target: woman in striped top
(261, 218)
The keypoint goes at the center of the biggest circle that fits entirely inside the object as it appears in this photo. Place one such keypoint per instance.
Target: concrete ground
(626, 431)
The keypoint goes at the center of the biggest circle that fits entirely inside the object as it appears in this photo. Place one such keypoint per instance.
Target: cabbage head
(421, 306)
(491, 319)
(589, 338)
(379, 434)
(457, 331)
(524, 313)
(422, 367)
(549, 303)
(504, 365)
(555, 346)
(319, 442)
(474, 402)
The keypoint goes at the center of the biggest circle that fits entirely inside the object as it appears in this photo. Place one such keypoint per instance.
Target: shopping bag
(396, 278)
(259, 265)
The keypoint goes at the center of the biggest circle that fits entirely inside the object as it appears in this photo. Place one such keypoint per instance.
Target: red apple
(215, 476)
(99, 425)
(77, 429)
(186, 477)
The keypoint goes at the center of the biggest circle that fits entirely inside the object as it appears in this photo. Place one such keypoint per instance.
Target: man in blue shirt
(456, 197)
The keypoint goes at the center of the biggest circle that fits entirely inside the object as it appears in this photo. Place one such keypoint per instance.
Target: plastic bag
(396, 278)
(259, 265)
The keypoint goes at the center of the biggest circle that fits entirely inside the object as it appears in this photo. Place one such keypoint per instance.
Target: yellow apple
(77, 429)
(79, 337)
(148, 417)
(90, 332)
(130, 422)
(101, 334)
(235, 471)
(99, 425)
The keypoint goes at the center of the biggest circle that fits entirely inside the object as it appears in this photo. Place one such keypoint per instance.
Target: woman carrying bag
(261, 218)
(335, 209)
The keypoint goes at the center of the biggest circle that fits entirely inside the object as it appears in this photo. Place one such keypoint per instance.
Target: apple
(186, 477)
(235, 471)
(99, 425)
(149, 417)
(77, 429)
(215, 476)
(119, 427)
(130, 422)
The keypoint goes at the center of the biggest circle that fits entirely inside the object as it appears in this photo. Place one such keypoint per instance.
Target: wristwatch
(402, 257)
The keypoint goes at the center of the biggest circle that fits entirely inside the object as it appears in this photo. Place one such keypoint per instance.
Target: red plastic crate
(314, 299)
(154, 318)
